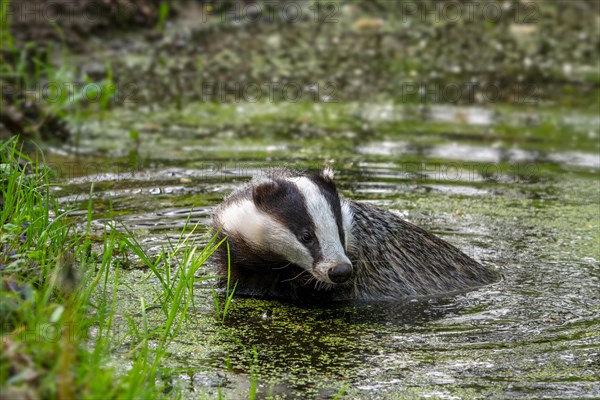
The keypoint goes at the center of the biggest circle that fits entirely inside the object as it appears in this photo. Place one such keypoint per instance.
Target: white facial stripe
(243, 219)
(326, 228)
(347, 218)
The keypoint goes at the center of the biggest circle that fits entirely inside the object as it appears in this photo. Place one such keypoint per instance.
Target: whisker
(291, 279)
(310, 279)
(319, 285)
(285, 266)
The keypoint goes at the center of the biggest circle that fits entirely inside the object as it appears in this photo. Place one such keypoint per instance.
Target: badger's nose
(340, 273)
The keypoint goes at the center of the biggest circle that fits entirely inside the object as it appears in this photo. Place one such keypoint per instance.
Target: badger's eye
(306, 237)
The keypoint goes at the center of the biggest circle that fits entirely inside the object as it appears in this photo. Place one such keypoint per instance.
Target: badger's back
(394, 258)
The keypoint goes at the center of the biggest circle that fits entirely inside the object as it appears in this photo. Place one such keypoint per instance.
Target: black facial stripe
(283, 201)
(328, 190)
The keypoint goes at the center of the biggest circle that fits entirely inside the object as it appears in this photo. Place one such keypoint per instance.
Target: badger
(291, 235)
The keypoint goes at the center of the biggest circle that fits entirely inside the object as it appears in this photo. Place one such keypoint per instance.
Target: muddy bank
(75, 22)
(430, 52)
(523, 53)
(36, 81)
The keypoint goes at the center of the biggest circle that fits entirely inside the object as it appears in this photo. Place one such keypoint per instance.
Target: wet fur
(391, 258)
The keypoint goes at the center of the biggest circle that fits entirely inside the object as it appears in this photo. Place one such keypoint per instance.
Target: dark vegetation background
(534, 52)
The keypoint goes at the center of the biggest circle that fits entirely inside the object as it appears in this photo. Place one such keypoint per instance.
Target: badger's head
(291, 221)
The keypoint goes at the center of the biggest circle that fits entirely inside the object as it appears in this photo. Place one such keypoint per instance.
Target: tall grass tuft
(58, 297)
(176, 268)
(6, 38)
(163, 14)
(221, 309)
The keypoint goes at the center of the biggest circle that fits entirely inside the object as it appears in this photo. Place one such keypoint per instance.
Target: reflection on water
(528, 208)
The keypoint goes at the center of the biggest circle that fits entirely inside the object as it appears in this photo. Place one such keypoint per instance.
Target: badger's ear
(265, 192)
(327, 173)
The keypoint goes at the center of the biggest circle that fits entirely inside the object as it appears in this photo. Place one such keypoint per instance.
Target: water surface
(517, 191)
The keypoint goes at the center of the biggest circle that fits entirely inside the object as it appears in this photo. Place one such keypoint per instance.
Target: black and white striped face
(301, 219)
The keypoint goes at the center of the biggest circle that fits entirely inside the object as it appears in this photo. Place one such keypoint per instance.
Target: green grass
(6, 38)
(163, 14)
(253, 375)
(221, 309)
(55, 290)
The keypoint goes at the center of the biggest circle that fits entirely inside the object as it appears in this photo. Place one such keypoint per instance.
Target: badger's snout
(340, 273)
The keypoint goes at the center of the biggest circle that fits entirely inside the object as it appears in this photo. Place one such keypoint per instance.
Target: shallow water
(518, 192)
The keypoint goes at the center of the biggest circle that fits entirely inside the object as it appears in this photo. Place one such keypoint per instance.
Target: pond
(517, 189)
